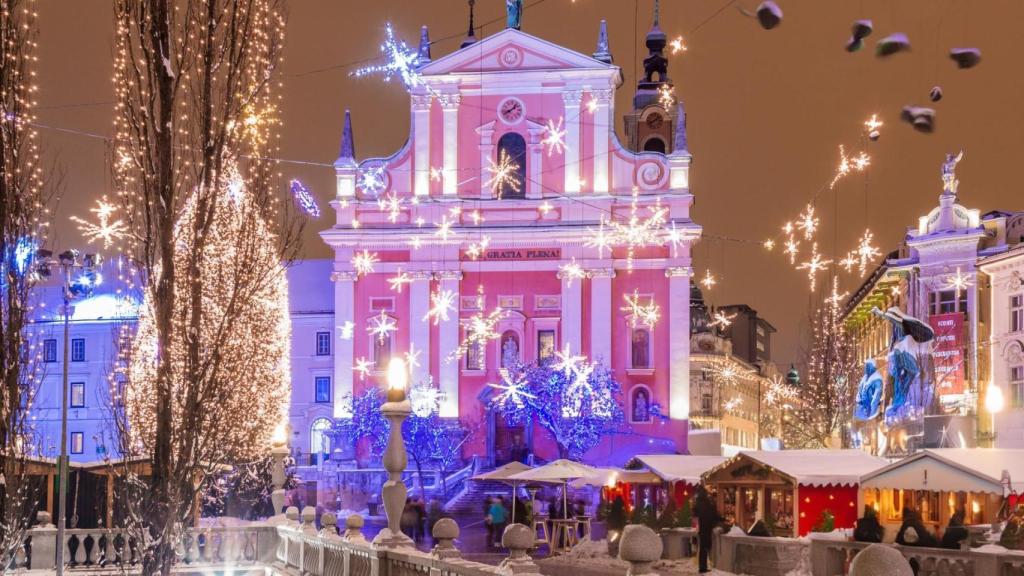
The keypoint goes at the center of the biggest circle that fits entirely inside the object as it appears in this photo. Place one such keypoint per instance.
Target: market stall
(938, 482)
(793, 491)
(680, 471)
(620, 482)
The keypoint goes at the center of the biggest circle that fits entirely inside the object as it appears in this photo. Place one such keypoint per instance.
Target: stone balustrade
(825, 557)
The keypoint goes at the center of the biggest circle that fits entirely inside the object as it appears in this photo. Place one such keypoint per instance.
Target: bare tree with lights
(23, 214)
(826, 398)
(206, 233)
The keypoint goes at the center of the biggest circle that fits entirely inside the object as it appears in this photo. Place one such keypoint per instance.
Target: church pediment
(511, 50)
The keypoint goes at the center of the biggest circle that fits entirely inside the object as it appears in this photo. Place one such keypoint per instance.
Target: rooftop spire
(603, 52)
(470, 34)
(424, 51)
(348, 144)
(657, 13)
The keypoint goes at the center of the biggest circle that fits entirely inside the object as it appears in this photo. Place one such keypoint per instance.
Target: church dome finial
(603, 52)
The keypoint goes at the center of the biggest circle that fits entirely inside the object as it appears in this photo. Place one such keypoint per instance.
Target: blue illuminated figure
(911, 393)
(869, 393)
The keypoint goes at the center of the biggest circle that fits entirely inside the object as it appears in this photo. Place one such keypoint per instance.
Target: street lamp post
(70, 261)
(394, 493)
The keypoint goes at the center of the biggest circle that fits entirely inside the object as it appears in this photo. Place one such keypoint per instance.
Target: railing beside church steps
(776, 556)
(87, 549)
(460, 476)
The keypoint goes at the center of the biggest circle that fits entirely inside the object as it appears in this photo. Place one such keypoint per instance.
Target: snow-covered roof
(821, 467)
(952, 469)
(679, 467)
(609, 476)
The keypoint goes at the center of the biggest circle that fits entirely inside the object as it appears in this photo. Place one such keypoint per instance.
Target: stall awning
(610, 476)
(679, 467)
(821, 467)
(952, 470)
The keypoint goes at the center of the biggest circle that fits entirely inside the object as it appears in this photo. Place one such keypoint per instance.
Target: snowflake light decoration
(571, 271)
(777, 391)
(638, 231)
(678, 45)
(479, 329)
(363, 367)
(504, 172)
(733, 404)
(554, 137)
(424, 399)
(398, 280)
(444, 228)
(846, 165)
(641, 314)
(709, 280)
(808, 222)
(814, 265)
(769, 244)
(873, 124)
(400, 61)
(363, 262)
(792, 249)
(959, 282)
(566, 361)
(412, 357)
(381, 326)
(441, 303)
(513, 390)
(371, 180)
(391, 204)
(667, 96)
(346, 330)
(674, 237)
(721, 320)
(863, 254)
(305, 200)
(104, 229)
(476, 249)
(602, 239)
(835, 298)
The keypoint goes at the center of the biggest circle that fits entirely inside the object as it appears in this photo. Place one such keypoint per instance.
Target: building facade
(439, 223)
(934, 276)
(1004, 408)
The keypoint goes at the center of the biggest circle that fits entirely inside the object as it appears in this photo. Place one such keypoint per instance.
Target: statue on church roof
(514, 14)
(949, 181)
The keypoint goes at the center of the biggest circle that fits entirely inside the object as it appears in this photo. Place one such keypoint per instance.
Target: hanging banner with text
(948, 352)
(514, 254)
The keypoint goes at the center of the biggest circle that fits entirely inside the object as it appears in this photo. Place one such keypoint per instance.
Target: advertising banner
(948, 352)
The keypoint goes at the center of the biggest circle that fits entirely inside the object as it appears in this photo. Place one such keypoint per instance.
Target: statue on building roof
(949, 181)
(514, 14)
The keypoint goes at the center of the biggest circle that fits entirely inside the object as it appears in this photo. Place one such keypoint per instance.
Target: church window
(654, 145)
(513, 146)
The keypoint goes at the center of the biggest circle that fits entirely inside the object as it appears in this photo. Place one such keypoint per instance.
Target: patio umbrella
(503, 474)
(558, 471)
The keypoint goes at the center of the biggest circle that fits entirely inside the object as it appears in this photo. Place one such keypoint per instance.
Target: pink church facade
(431, 215)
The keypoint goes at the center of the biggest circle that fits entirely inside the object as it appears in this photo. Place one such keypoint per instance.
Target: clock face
(654, 121)
(511, 111)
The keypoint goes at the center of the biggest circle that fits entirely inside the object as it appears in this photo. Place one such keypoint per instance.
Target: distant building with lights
(934, 275)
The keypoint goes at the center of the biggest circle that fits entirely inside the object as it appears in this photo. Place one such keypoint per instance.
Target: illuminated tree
(193, 82)
(22, 231)
(825, 402)
(576, 402)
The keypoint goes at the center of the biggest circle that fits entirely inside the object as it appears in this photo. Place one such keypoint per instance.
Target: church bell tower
(651, 124)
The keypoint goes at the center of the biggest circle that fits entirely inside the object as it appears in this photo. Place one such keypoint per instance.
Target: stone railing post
(354, 529)
(329, 525)
(724, 550)
(880, 560)
(292, 514)
(641, 547)
(445, 531)
(309, 520)
(44, 543)
(518, 539)
(277, 477)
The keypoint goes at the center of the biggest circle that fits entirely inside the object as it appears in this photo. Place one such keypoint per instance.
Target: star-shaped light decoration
(678, 45)
(400, 62)
(674, 237)
(721, 319)
(667, 96)
(639, 231)
(371, 180)
(479, 329)
(363, 367)
(792, 249)
(865, 252)
(846, 165)
(476, 249)
(398, 280)
(733, 404)
(835, 298)
(872, 124)
(513, 389)
(346, 330)
(391, 204)
(959, 282)
(602, 239)
(412, 357)
(363, 262)
(554, 137)
(444, 228)
(566, 361)
(381, 326)
(424, 399)
(709, 280)
(504, 172)
(441, 303)
(545, 207)
(105, 229)
(641, 314)
(808, 222)
(571, 271)
(814, 265)
(769, 244)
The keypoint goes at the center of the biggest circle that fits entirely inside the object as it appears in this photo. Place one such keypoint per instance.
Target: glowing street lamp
(394, 492)
(994, 403)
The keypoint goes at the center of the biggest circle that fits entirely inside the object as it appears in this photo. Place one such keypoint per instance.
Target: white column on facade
(419, 327)
(450, 111)
(421, 145)
(486, 133)
(602, 133)
(344, 311)
(679, 341)
(571, 99)
(447, 342)
(535, 164)
(601, 314)
(572, 312)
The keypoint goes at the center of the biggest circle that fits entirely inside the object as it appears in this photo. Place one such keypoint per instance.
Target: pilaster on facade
(421, 149)
(419, 328)
(536, 160)
(679, 340)
(344, 355)
(572, 311)
(448, 340)
(601, 314)
(572, 100)
(602, 133)
(486, 145)
(450, 114)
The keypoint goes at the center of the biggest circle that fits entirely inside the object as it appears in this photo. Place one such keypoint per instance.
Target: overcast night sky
(767, 111)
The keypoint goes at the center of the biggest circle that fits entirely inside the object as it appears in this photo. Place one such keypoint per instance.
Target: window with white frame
(77, 442)
(78, 349)
(78, 394)
(1016, 312)
(640, 348)
(1017, 386)
(323, 343)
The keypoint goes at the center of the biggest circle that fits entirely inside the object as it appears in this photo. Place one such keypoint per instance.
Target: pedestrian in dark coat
(707, 518)
(956, 532)
(913, 531)
(868, 529)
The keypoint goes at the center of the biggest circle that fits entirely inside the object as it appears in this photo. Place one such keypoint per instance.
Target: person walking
(489, 522)
(707, 518)
(499, 518)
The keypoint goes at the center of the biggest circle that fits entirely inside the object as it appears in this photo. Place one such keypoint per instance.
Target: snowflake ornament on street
(105, 229)
(304, 199)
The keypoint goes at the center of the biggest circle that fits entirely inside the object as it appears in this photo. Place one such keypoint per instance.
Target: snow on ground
(591, 558)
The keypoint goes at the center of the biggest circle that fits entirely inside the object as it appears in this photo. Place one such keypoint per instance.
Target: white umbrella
(558, 471)
(504, 474)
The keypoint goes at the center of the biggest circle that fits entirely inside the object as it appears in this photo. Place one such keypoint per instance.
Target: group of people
(418, 519)
(912, 531)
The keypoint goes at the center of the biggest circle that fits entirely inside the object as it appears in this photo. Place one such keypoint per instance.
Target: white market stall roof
(680, 467)
(817, 467)
(609, 476)
(952, 470)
